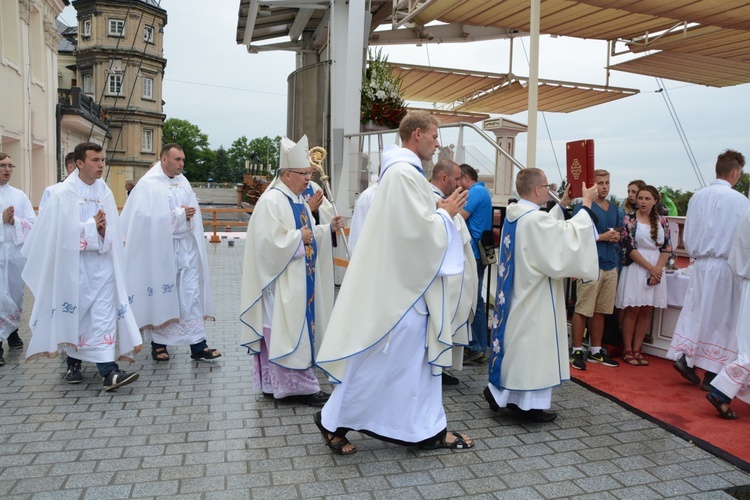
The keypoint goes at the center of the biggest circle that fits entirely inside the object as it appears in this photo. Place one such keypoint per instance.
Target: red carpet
(659, 394)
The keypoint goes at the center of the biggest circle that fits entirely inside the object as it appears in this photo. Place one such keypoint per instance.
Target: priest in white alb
(462, 289)
(529, 346)
(74, 269)
(287, 282)
(734, 379)
(390, 334)
(704, 336)
(18, 218)
(165, 254)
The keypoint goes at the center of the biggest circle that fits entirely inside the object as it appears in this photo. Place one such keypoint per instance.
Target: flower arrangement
(381, 102)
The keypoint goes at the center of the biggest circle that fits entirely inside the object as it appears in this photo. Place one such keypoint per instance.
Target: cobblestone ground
(199, 430)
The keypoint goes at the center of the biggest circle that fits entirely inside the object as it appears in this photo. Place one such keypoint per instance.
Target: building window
(114, 84)
(148, 140)
(87, 27)
(88, 88)
(148, 88)
(148, 34)
(116, 27)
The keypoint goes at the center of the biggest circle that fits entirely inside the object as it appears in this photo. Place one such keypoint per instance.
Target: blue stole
(308, 192)
(505, 272)
(301, 219)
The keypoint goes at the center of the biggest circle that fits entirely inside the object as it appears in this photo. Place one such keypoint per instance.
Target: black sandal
(458, 444)
(727, 414)
(206, 354)
(336, 446)
(161, 351)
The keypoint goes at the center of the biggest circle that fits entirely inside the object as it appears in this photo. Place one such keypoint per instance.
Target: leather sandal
(336, 446)
(160, 354)
(727, 413)
(642, 360)
(629, 358)
(206, 354)
(459, 443)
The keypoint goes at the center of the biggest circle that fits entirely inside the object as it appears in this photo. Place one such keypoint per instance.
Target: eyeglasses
(7, 167)
(545, 186)
(306, 174)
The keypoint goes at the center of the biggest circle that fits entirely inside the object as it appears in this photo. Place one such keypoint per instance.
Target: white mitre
(294, 155)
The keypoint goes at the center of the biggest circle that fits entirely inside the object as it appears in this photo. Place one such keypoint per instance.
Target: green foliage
(198, 155)
(679, 198)
(239, 152)
(743, 184)
(221, 170)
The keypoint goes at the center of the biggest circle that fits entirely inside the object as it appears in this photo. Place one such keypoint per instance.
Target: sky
(214, 83)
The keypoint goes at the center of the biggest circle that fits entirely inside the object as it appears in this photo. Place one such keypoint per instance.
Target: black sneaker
(14, 341)
(707, 378)
(687, 372)
(449, 379)
(74, 375)
(602, 358)
(117, 378)
(576, 360)
(2, 360)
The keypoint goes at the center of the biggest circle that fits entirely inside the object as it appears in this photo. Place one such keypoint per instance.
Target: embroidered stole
(301, 219)
(505, 273)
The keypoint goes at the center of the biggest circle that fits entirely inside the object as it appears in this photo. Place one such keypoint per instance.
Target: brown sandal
(642, 360)
(629, 358)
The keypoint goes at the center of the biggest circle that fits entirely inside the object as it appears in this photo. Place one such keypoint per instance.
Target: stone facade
(120, 65)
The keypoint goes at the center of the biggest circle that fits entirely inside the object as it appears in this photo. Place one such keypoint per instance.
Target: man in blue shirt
(597, 298)
(478, 216)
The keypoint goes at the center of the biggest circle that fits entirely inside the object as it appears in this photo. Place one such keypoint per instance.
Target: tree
(743, 184)
(221, 170)
(239, 152)
(268, 150)
(679, 198)
(198, 155)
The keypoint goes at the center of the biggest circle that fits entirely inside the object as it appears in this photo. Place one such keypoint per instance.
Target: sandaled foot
(451, 441)
(642, 360)
(629, 358)
(160, 354)
(206, 354)
(339, 445)
(724, 410)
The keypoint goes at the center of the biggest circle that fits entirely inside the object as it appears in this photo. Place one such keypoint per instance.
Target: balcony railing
(74, 101)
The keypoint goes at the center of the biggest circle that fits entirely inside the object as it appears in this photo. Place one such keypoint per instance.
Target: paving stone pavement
(199, 430)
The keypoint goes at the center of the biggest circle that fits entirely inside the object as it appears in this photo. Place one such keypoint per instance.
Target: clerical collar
(524, 201)
(437, 190)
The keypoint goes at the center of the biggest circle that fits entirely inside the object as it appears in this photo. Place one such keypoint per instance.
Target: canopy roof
(696, 38)
(497, 93)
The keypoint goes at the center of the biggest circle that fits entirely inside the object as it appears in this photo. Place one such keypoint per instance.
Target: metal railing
(215, 223)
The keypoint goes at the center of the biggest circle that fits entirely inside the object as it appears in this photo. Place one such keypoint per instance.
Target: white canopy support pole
(347, 42)
(533, 83)
(460, 152)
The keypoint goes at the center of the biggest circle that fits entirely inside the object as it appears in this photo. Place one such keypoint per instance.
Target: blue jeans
(479, 325)
(104, 368)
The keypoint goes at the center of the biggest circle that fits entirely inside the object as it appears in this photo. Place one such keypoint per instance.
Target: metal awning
(692, 68)
(719, 30)
(700, 40)
(497, 93)
(446, 117)
(558, 17)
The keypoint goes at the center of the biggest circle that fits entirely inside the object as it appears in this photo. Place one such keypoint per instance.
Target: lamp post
(268, 158)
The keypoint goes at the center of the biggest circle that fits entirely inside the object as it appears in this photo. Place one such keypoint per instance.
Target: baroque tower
(120, 64)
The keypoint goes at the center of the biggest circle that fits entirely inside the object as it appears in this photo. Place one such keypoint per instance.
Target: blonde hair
(415, 120)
